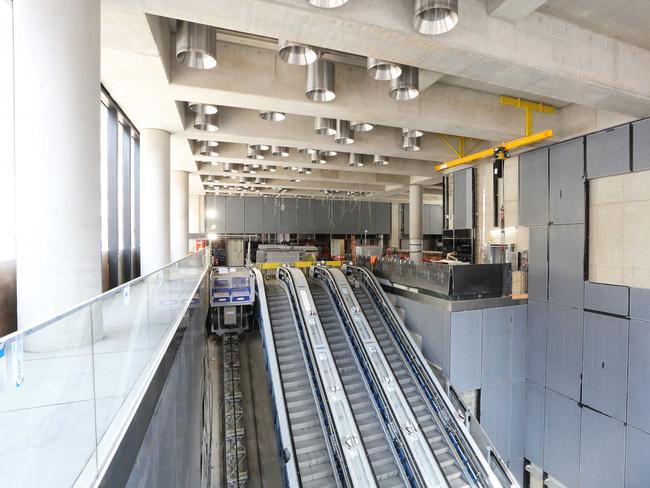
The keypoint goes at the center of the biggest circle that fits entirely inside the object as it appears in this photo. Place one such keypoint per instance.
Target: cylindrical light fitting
(203, 108)
(280, 151)
(343, 132)
(273, 116)
(307, 150)
(407, 85)
(329, 153)
(433, 17)
(318, 158)
(260, 147)
(355, 160)
(412, 132)
(196, 45)
(382, 70)
(209, 148)
(410, 143)
(254, 153)
(227, 168)
(296, 53)
(361, 126)
(324, 126)
(206, 122)
(272, 168)
(321, 81)
(328, 3)
(380, 160)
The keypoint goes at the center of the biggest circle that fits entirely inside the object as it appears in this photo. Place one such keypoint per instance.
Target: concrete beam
(542, 56)
(512, 10)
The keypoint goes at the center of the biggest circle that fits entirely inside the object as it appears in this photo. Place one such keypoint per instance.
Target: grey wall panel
(608, 152)
(346, 217)
(463, 199)
(566, 245)
(253, 215)
(436, 219)
(446, 341)
(562, 438)
(564, 350)
(534, 423)
(567, 184)
(271, 215)
(638, 412)
(602, 450)
(517, 415)
(516, 467)
(431, 331)
(607, 298)
(219, 204)
(519, 331)
(637, 467)
(405, 217)
(465, 349)
(604, 377)
(289, 216)
(641, 145)
(322, 216)
(495, 413)
(426, 219)
(640, 303)
(305, 215)
(381, 217)
(235, 215)
(496, 366)
(536, 342)
(533, 187)
(538, 263)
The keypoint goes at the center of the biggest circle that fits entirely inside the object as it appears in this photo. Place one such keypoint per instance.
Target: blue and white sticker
(17, 362)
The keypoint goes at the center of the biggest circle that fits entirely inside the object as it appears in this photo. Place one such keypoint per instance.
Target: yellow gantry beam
(460, 152)
(529, 107)
(298, 264)
(488, 153)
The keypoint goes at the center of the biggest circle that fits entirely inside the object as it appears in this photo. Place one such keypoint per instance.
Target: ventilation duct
(203, 108)
(209, 148)
(434, 17)
(343, 132)
(355, 160)
(407, 85)
(280, 151)
(361, 126)
(382, 70)
(410, 143)
(412, 132)
(324, 126)
(328, 3)
(273, 116)
(206, 122)
(380, 160)
(321, 81)
(296, 53)
(196, 45)
(254, 153)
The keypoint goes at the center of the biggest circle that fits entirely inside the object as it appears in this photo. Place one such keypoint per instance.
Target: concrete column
(415, 222)
(154, 199)
(57, 152)
(179, 214)
(197, 214)
(394, 225)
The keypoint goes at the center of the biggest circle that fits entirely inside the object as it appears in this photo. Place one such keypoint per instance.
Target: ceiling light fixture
(407, 85)
(327, 3)
(324, 126)
(343, 132)
(355, 160)
(260, 147)
(206, 122)
(272, 169)
(318, 158)
(433, 17)
(321, 81)
(307, 150)
(273, 116)
(412, 132)
(196, 45)
(296, 53)
(410, 143)
(280, 151)
(382, 70)
(254, 153)
(209, 148)
(328, 153)
(202, 108)
(380, 160)
(361, 126)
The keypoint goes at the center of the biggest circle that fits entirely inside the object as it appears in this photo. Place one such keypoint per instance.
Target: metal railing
(69, 387)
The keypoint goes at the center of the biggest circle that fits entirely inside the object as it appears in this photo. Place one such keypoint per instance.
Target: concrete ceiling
(560, 54)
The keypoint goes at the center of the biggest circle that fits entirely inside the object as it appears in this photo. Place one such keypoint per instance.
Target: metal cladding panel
(431, 330)
(365, 222)
(253, 215)
(322, 216)
(567, 196)
(641, 145)
(538, 263)
(344, 218)
(218, 203)
(235, 223)
(566, 245)
(638, 413)
(495, 416)
(564, 350)
(611, 299)
(608, 152)
(446, 341)
(405, 218)
(463, 199)
(436, 219)
(640, 304)
(637, 467)
(305, 215)
(604, 377)
(517, 415)
(465, 349)
(288, 216)
(271, 215)
(426, 219)
(381, 218)
(516, 467)
(602, 450)
(536, 342)
(533, 187)
(562, 438)
(519, 330)
(534, 423)
(496, 367)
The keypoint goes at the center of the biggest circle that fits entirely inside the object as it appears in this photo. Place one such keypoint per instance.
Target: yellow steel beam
(297, 264)
(529, 107)
(487, 153)
(460, 152)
